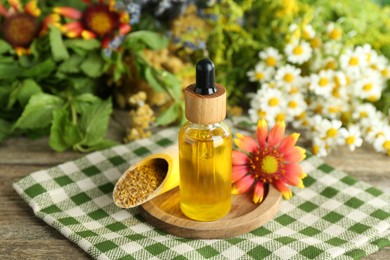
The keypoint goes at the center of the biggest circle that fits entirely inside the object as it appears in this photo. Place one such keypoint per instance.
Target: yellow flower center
(386, 145)
(331, 65)
(315, 149)
(385, 72)
(331, 133)
(298, 50)
(335, 34)
(353, 61)
(270, 61)
(269, 164)
(289, 77)
(280, 117)
(261, 113)
(259, 75)
(350, 140)
(363, 114)
(19, 29)
(315, 43)
(333, 110)
(323, 82)
(294, 90)
(100, 23)
(367, 87)
(273, 102)
(372, 98)
(293, 104)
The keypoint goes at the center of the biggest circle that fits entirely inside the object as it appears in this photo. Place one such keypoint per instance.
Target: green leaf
(38, 112)
(5, 129)
(140, 39)
(169, 116)
(84, 100)
(106, 143)
(4, 47)
(41, 70)
(9, 71)
(63, 133)
(4, 95)
(152, 80)
(27, 89)
(71, 65)
(94, 122)
(92, 66)
(88, 45)
(58, 49)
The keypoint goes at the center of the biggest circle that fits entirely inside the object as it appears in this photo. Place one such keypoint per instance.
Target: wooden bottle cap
(205, 109)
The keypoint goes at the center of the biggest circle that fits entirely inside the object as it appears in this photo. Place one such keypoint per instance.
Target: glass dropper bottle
(205, 149)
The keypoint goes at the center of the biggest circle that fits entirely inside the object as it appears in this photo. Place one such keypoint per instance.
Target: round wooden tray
(164, 213)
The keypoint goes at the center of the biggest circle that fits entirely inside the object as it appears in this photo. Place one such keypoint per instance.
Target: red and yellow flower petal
(124, 29)
(245, 143)
(68, 12)
(238, 172)
(243, 185)
(105, 42)
(283, 188)
(72, 29)
(32, 8)
(3, 11)
(294, 155)
(124, 17)
(294, 174)
(258, 193)
(276, 134)
(288, 142)
(87, 35)
(20, 51)
(262, 132)
(16, 5)
(239, 158)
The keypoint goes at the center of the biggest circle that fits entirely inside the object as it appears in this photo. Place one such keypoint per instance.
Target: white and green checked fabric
(335, 216)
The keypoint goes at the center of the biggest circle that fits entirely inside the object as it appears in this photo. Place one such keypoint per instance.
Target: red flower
(20, 25)
(97, 20)
(273, 159)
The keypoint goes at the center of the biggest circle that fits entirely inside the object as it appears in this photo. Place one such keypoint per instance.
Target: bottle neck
(200, 126)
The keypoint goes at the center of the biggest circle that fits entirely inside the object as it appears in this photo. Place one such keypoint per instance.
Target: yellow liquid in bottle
(205, 153)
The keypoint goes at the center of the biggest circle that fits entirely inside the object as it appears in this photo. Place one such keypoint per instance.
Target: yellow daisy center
(363, 114)
(333, 110)
(331, 133)
(293, 104)
(280, 117)
(372, 98)
(350, 140)
(270, 61)
(367, 87)
(298, 50)
(273, 102)
(385, 72)
(353, 61)
(294, 90)
(259, 75)
(335, 34)
(315, 43)
(261, 113)
(386, 145)
(288, 77)
(269, 164)
(331, 65)
(323, 82)
(315, 149)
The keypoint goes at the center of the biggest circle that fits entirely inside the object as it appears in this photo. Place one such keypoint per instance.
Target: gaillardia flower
(98, 20)
(273, 159)
(20, 25)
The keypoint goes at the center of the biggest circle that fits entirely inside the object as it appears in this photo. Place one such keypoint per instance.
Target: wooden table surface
(23, 236)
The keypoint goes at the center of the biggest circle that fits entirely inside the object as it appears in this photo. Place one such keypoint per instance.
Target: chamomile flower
(352, 61)
(261, 73)
(319, 147)
(370, 54)
(351, 137)
(270, 99)
(296, 105)
(271, 57)
(298, 52)
(308, 32)
(382, 142)
(363, 111)
(329, 130)
(332, 48)
(334, 109)
(334, 32)
(287, 75)
(369, 86)
(322, 83)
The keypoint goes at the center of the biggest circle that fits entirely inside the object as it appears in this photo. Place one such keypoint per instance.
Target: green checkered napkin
(335, 216)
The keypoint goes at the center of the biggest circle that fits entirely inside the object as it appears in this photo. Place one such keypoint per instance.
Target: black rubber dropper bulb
(205, 74)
